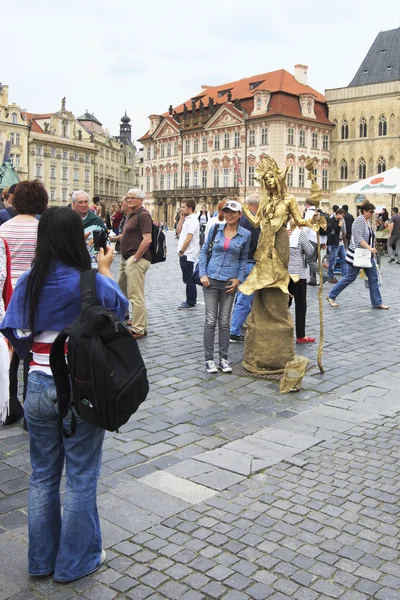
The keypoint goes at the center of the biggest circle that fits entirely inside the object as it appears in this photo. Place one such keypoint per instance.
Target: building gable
(224, 117)
(165, 129)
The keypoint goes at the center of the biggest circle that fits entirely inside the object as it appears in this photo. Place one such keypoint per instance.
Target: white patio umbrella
(387, 182)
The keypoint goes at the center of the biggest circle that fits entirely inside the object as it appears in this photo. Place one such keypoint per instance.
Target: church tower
(125, 130)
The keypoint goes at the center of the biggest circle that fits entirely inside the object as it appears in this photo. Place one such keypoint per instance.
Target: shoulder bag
(362, 258)
(196, 275)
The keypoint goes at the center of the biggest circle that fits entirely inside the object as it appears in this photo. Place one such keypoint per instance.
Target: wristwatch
(180, 253)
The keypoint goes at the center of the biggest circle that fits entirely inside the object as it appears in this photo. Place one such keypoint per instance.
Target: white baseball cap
(233, 205)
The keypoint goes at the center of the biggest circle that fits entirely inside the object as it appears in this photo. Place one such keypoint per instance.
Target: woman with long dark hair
(45, 300)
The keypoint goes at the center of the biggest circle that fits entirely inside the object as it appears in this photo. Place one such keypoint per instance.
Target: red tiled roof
(285, 91)
(289, 106)
(31, 119)
(276, 81)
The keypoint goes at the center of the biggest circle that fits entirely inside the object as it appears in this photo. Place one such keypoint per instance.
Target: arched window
(382, 125)
(343, 169)
(345, 130)
(381, 165)
(362, 169)
(14, 118)
(363, 127)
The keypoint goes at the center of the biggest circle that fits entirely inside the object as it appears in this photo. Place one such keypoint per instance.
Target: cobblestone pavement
(222, 488)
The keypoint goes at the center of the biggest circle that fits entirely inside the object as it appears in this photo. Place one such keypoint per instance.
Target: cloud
(143, 57)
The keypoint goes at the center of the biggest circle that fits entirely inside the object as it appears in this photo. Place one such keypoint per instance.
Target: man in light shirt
(188, 248)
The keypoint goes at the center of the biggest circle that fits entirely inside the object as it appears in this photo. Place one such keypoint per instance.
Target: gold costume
(272, 254)
(269, 342)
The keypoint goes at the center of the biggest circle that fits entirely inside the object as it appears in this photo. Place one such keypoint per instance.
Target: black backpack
(328, 229)
(105, 369)
(158, 247)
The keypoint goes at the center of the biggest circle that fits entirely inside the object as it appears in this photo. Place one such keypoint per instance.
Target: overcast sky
(143, 56)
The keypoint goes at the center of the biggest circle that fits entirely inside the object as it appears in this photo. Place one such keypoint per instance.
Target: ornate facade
(58, 155)
(210, 146)
(366, 115)
(14, 132)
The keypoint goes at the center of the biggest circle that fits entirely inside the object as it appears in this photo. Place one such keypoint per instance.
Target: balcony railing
(196, 191)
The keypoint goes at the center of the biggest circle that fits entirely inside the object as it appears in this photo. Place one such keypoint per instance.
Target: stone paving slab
(186, 491)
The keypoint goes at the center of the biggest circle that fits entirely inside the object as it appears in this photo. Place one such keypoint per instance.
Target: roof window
(255, 84)
(222, 93)
(388, 68)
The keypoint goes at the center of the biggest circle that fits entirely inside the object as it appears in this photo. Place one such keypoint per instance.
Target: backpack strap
(88, 289)
(60, 372)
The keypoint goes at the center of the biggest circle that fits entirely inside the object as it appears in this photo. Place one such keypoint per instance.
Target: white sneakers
(225, 367)
(211, 367)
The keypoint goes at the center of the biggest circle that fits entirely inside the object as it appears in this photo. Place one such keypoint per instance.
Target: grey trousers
(394, 239)
(218, 309)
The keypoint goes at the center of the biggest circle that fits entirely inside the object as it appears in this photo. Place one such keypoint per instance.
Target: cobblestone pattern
(323, 523)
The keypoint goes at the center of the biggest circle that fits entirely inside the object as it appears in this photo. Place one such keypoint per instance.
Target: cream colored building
(59, 157)
(14, 133)
(115, 166)
(366, 115)
(210, 146)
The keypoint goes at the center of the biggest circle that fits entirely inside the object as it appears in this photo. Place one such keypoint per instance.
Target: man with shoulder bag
(136, 259)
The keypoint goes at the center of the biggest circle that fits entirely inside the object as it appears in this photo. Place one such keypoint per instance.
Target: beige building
(14, 133)
(366, 115)
(59, 157)
(115, 165)
(210, 146)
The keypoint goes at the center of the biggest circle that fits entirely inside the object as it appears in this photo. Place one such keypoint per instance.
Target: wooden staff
(320, 307)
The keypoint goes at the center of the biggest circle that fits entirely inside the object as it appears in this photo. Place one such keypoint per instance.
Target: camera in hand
(100, 240)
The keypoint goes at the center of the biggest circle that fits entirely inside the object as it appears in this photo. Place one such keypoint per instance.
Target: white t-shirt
(190, 225)
(312, 235)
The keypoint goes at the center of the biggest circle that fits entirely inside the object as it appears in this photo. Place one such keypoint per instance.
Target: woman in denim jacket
(220, 278)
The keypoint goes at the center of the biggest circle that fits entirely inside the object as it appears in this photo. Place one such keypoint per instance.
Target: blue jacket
(224, 265)
(60, 304)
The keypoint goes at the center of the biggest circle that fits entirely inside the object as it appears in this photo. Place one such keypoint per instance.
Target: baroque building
(58, 156)
(115, 164)
(14, 132)
(209, 147)
(366, 115)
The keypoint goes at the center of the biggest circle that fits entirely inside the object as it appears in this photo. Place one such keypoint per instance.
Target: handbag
(362, 258)
(196, 273)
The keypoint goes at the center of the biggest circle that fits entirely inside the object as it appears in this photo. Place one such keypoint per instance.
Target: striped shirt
(297, 263)
(41, 351)
(21, 235)
(359, 232)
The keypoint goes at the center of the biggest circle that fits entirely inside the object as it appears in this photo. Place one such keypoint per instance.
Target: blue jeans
(187, 272)
(334, 253)
(242, 307)
(351, 275)
(69, 545)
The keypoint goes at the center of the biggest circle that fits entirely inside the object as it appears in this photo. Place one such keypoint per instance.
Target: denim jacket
(229, 264)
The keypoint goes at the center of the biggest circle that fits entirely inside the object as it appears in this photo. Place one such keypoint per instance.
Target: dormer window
(222, 93)
(254, 84)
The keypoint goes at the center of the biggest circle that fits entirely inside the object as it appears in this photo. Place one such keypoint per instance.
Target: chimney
(300, 73)
(4, 95)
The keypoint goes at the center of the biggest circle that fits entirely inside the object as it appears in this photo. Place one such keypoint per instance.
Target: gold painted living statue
(269, 343)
